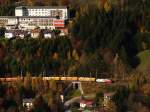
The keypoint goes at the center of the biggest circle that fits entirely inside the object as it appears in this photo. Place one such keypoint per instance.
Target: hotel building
(28, 18)
(60, 12)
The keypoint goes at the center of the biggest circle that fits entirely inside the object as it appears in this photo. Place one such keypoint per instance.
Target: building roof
(37, 30)
(47, 31)
(16, 31)
(109, 94)
(8, 17)
(42, 7)
(87, 102)
(30, 100)
(16, 17)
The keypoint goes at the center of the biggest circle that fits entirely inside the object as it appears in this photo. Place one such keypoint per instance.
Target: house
(86, 104)
(23, 34)
(27, 103)
(36, 33)
(9, 27)
(64, 31)
(9, 34)
(8, 20)
(107, 98)
(16, 33)
(47, 33)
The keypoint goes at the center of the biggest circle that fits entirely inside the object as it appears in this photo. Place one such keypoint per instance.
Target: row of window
(52, 13)
(48, 20)
(33, 24)
(3, 20)
(39, 9)
(45, 9)
(28, 19)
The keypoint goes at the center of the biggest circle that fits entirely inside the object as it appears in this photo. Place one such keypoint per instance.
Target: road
(71, 101)
(76, 99)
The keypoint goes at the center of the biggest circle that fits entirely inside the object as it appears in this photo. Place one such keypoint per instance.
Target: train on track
(82, 79)
(11, 79)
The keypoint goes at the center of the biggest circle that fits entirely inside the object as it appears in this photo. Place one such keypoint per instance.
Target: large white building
(8, 20)
(30, 17)
(60, 12)
(31, 22)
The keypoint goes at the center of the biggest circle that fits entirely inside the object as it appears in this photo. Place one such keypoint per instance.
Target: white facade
(9, 35)
(28, 103)
(29, 23)
(18, 12)
(34, 22)
(35, 35)
(51, 11)
(29, 18)
(12, 21)
(48, 35)
(8, 22)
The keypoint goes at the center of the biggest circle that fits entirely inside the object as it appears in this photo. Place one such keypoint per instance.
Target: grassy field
(144, 60)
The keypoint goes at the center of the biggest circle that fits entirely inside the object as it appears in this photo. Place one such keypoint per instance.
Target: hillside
(144, 57)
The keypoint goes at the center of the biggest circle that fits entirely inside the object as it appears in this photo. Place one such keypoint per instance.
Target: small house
(36, 33)
(107, 98)
(63, 31)
(16, 33)
(28, 103)
(21, 33)
(86, 103)
(47, 33)
(9, 34)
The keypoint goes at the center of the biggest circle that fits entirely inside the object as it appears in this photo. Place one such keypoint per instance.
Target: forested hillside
(105, 39)
(117, 34)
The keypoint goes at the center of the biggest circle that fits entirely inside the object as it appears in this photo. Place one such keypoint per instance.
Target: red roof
(87, 102)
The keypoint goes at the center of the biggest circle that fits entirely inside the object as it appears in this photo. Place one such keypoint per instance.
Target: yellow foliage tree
(46, 85)
(27, 82)
(34, 84)
(75, 55)
(64, 2)
(146, 89)
(111, 107)
(102, 3)
(107, 6)
(52, 85)
(55, 56)
(69, 55)
(30, 2)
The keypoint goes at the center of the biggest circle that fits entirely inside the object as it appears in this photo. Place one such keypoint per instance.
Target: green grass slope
(144, 58)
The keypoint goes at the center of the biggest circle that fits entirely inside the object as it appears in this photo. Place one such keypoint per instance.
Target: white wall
(47, 35)
(12, 21)
(41, 12)
(9, 35)
(18, 12)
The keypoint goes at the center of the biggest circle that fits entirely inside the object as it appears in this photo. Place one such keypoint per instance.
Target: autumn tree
(40, 105)
(105, 22)
(28, 92)
(120, 98)
(64, 2)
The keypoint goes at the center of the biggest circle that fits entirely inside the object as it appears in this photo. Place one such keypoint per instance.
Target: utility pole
(21, 72)
(96, 74)
(90, 74)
